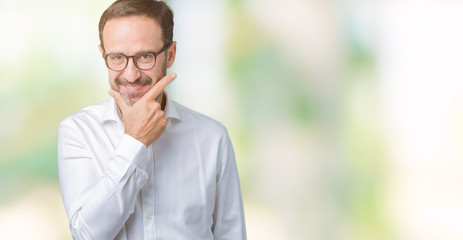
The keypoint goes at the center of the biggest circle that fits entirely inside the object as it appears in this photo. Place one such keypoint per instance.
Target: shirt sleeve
(229, 223)
(98, 203)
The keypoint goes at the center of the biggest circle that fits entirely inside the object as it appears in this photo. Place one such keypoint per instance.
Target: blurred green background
(346, 116)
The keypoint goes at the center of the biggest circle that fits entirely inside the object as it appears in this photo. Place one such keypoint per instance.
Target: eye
(145, 57)
(116, 57)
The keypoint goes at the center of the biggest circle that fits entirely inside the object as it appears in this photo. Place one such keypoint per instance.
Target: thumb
(119, 100)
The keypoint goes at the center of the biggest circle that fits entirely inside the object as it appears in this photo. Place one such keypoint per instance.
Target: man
(139, 165)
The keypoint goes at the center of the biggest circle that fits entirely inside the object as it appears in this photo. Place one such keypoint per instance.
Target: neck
(163, 100)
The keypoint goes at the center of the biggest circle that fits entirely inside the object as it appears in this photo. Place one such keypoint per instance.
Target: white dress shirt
(183, 186)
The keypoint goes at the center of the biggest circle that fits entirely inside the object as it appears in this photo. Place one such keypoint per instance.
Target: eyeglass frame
(166, 46)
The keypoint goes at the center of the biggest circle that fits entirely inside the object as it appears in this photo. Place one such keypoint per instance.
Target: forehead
(132, 34)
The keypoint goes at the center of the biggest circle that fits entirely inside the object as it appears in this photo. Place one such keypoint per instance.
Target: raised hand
(144, 120)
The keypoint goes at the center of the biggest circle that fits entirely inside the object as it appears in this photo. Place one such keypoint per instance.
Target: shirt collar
(111, 112)
(171, 108)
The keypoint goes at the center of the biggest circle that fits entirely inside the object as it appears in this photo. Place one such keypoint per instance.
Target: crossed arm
(111, 195)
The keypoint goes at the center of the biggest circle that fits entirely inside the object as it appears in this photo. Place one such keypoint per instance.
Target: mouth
(134, 88)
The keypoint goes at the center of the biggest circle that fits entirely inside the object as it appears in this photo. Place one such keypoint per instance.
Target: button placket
(149, 225)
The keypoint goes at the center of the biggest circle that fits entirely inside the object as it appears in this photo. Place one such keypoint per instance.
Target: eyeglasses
(142, 60)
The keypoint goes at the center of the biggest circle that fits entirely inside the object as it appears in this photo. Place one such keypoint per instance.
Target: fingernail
(173, 75)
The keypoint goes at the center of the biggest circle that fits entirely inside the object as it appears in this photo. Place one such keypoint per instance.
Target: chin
(131, 101)
(131, 98)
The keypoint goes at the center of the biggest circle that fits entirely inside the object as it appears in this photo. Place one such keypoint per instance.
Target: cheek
(112, 79)
(156, 75)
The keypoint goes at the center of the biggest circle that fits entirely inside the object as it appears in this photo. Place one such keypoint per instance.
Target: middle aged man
(139, 165)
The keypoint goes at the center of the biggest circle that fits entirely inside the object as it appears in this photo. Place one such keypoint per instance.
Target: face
(129, 36)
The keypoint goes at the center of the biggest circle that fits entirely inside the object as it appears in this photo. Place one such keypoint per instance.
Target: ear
(171, 54)
(101, 49)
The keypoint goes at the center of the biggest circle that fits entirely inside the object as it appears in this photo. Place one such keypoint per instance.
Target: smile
(133, 88)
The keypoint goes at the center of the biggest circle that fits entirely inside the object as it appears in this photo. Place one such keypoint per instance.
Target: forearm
(98, 202)
(105, 211)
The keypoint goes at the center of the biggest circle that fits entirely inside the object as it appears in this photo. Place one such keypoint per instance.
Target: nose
(131, 73)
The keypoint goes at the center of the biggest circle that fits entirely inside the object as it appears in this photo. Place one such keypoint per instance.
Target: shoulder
(200, 121)
(87, 115)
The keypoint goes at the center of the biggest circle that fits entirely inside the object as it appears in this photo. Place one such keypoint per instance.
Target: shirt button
(148, 216)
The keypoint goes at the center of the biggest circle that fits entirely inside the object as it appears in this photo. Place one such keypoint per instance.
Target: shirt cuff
(130, 151)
